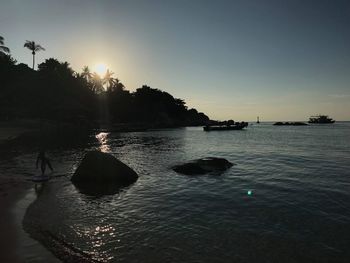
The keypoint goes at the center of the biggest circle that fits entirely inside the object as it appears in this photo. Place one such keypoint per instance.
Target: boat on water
(296, 123)
(235, 126)
(320, 119)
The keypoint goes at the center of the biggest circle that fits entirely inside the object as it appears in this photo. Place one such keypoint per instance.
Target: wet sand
(11, 191)
(16, 245)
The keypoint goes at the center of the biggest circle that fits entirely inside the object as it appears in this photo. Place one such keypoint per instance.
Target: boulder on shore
(203, 166)
(102, 173)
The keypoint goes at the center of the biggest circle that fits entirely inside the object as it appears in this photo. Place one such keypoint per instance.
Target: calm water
(299, 209)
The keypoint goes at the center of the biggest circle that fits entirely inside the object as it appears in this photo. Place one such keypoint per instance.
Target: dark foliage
(56, 92)
(52, 92)
(152, 106)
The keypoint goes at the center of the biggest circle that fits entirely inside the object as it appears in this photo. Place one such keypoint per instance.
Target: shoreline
(17, 246)
(16, 195)
(30, 249)
(11, 191)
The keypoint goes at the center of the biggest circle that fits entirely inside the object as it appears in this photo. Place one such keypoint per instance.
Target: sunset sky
(234, 59)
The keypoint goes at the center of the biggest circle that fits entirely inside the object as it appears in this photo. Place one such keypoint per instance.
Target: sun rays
(100, 69)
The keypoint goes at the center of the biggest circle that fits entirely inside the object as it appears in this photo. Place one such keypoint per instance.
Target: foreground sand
(11, 190)
(16, 245)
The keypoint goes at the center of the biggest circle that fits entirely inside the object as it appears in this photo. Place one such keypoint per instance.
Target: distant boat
(257, 120)
(236, 126)
(297, 123)
(321, 119)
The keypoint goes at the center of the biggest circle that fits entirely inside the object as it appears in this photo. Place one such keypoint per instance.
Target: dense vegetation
(56, 92)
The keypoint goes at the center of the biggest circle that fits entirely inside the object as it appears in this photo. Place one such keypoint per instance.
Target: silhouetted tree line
(153, 106)
(52, 92)
(56, 92)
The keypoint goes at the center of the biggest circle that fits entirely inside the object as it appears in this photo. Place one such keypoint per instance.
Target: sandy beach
(17, 246)
(11, 190)
(13, 203)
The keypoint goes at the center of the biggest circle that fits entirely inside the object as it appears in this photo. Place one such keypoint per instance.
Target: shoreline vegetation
(58, 94)
(56, 105)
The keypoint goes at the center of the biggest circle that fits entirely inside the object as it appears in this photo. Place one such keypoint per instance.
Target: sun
(101, 69)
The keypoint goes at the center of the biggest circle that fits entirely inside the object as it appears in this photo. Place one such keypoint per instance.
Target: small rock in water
(203, 166)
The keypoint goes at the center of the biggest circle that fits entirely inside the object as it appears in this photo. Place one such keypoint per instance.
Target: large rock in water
(101, 173)
(203, 166)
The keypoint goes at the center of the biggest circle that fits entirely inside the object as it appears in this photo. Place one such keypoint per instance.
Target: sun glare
(101, 69)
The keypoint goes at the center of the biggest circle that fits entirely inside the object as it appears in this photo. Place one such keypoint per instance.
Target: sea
(286, 199)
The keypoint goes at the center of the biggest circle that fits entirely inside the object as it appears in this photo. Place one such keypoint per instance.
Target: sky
(282, 60)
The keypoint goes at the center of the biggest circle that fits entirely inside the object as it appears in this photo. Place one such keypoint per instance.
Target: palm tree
(86, 73)
(31, 45)
(77, 75)
(108, 80)
(118, 86)
(3, 50)
(97, 83)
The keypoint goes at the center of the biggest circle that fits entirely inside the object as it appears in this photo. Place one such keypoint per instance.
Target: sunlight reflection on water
(96, 236)
(102, 138)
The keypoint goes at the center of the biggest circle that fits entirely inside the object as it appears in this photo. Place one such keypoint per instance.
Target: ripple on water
(297, 209)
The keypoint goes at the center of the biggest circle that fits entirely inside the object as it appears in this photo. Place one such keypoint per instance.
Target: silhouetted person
(44, 161)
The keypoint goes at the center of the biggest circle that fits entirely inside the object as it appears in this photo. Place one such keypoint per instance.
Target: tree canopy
(56, 92)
